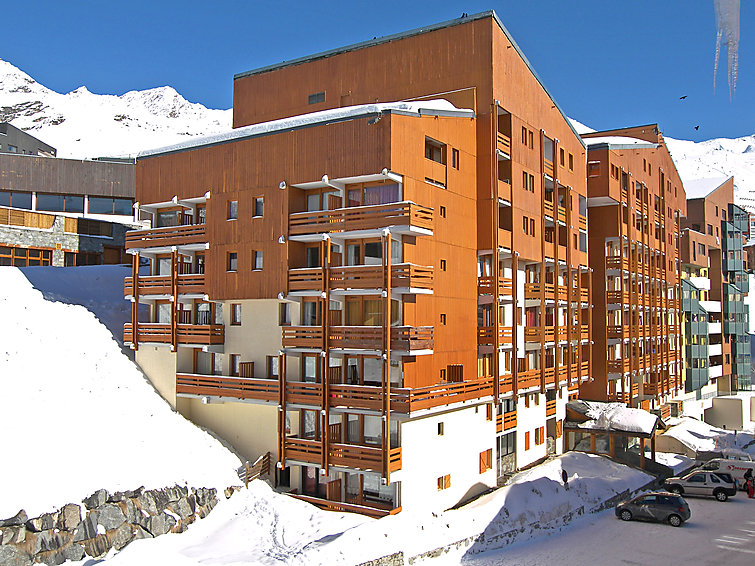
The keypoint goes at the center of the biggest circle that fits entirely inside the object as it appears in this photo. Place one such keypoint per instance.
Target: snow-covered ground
(702, 437)
(77, 414)
(259, 526)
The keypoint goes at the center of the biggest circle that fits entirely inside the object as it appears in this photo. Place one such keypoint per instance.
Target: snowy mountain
(722, 157)
(82, 124)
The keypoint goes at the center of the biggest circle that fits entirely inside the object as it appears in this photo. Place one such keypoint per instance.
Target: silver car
(659, 506)
(721, 486)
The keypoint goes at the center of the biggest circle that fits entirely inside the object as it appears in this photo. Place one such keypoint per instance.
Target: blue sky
(608, 63)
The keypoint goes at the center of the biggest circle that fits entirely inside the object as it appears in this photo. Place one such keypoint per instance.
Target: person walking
(565, 477)
(749, 486)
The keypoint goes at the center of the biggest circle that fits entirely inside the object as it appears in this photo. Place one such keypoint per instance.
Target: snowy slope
(81, 124)
(78, 414)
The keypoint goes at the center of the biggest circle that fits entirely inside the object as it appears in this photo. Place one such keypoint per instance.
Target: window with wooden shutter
(444, 482)
(526, 440)
(455, 373)
(486, 460)
(558, 429)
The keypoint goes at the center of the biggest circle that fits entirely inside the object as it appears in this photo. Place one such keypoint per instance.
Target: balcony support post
(514, 325)
(496, 260)
(325, 358)
(135, 304)
(282, 409)
(174, 294)
(386, 355)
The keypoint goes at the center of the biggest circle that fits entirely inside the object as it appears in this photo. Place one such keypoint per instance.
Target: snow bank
(79, 415)
(702, 437)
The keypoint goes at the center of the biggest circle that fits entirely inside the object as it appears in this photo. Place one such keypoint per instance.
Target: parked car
(660, 506)
(719, 485)
(737, 467)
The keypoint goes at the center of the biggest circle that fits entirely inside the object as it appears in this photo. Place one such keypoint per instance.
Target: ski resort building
(635, 201)
(713, 284)
(380, 275)
(62, 212)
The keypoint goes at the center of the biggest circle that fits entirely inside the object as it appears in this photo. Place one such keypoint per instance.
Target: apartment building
(713, 284)
(62, 212)
(383, 282)
(635, 201)
(15, 140)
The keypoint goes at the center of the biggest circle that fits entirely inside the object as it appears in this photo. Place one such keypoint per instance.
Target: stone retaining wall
(104, 521)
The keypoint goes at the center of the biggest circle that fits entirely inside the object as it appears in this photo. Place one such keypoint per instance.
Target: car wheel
(675, 520)
(676, 489)
(625, 515)
(720, 495)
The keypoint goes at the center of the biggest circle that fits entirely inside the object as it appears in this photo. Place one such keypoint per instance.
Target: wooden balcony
(404, 275)
(506, 421)
(374, 217)
(505, 383)
(404, 338)
(504, 238)
(617, 262)
(529, 378)
(485, 335)
(419, 398)
(341, 507)
(580, 333)
(617, 297)
(360, 457)
(161, 285)
(544, 334)
(533, 291)
(561, 215)
(485, 286)
(503, 143)
(231, 387)
(548, 167)
(618, 332)
(504, 190)
(548, 207)
(186, 334)
(580, 295)
(582, 222)
(550, 375)
(619, 366)
(166, 237)
(550, 408)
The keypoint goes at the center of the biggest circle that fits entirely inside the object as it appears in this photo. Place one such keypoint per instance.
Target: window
(443, 319)
(272, 367)
(442, 211)
(120, 206)
(231, 262)
(284, 314)
(233, 209)
(258, 207)
(235, 314)
(435, 150)
(710, 230)
(256, 260)
(530, 140)
(526, 440)
(444, 482)
(441, 430)
(525, 225)
(60, 203)
(486, 460)
(571, 162)
(235, 364)
(443, 265)
(524, 135)
(23, 257)
(455, 158)
(562, 157)
(16, 200)
(489, 412)
(539, 436)
(532, 227)
(316, 98)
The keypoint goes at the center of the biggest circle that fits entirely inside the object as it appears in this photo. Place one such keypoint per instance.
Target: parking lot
(717, 533)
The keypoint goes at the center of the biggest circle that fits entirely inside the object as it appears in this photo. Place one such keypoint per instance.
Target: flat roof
(701, 188)
(331, 116)
(411, 33)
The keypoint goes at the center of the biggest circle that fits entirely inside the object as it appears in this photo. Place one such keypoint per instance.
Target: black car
(660, 506)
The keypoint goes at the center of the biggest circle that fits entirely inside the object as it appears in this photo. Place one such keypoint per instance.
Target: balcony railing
(405, 338)
(485, 286)
(617, 297)
(618, 332)
(529, 378)
(619, 366)
(161, 285)
(159, 333)
(361, 277)
(485, 335)
(548, 167)
(222, 386)
(342, 507)
(373, 217)
(353, 456)
(166, 237)
(550, 408)
(617, 262)
(504, 143)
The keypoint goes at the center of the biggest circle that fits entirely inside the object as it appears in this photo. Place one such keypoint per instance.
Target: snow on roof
(415, 108)
(620, 142)
(701, 188)
(614, 416)
(702, 437)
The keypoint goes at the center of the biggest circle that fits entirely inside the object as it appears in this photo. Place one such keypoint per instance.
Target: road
(717, 533)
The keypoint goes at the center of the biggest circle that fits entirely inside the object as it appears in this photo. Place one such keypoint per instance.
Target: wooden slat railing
(25, 218)
(342, 507)
(509, 420)
(161, 284)
(529, 378)
(504, 143)
(221, 386)
(550, 408)
(165, 237)
(159, 333)
(373, 217)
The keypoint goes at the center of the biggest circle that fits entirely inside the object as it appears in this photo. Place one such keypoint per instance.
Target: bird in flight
(697, 127)
(682, 97)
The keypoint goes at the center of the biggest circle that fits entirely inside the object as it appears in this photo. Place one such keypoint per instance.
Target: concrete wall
(726, 412)
(426, 456)
(159, 364)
